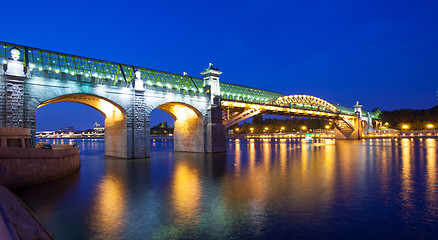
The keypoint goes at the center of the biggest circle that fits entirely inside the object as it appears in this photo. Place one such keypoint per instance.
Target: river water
(259, 189)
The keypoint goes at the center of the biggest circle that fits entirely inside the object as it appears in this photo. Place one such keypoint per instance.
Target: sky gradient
(381, 53)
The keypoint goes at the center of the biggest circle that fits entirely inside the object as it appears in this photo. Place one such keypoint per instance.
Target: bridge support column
(350, 134)
(215, 134)
(138, 123)
(14, 92)
(215, 139)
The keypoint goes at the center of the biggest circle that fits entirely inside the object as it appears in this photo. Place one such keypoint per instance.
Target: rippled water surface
(271, 189)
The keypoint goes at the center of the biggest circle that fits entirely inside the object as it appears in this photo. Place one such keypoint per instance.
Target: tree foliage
(273, 125)
(415, 119)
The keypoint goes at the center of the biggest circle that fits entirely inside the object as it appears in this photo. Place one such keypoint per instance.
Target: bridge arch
(293, 100)
(115, 119)
(189, 130)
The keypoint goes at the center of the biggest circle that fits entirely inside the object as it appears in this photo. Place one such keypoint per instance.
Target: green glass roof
(350, 111)
(38, 60)
(245, 94)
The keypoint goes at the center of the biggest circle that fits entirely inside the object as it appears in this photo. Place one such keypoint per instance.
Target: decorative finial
(210, 67)
(137, 74)
(15, 53)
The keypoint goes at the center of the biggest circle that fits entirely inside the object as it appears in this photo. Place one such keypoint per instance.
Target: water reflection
(186, 193)
(406, 168)
(431, 182)
(275, 189)
(110, 208)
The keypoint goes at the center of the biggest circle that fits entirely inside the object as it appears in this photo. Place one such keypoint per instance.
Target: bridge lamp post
(251, 130)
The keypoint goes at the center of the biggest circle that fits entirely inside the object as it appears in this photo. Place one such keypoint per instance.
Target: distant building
(161, 129)
(68, 130)
(98, 128)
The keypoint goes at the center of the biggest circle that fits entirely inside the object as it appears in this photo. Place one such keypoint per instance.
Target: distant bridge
(201, 107)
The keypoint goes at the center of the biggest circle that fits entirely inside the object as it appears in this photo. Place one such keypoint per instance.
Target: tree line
(283, 125)
(413, 119)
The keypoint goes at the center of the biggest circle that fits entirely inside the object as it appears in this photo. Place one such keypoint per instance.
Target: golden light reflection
(329, 169)
(253, 177)
(267, 150)
(385, 154)
(407, 188)
(283, 157)
(186, 193)
(431, 189)
(238, 156)
(110, 208)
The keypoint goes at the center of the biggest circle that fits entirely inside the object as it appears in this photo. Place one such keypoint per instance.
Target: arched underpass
(115, 120)
(188, 126)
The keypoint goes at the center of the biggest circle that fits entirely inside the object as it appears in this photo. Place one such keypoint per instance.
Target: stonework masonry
(126, 109)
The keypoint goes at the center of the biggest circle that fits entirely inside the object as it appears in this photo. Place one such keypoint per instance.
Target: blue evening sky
(381, 53)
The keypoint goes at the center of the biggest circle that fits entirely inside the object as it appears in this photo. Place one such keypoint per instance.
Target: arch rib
(303, 99)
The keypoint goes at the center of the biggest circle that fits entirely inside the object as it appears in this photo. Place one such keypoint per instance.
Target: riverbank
(21, 167)
(17, 221)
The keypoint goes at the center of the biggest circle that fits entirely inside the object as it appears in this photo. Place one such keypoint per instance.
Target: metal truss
(240, 117)
(343, 123)
(304, 101)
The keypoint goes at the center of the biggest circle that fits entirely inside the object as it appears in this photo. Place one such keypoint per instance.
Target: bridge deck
(56, 64)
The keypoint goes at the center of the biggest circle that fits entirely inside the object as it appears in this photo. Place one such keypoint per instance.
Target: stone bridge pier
(125, 105)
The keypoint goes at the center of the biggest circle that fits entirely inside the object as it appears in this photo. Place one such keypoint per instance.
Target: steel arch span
(293, 100)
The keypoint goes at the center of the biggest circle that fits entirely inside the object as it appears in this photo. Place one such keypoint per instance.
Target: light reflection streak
(186, 194)
(110, 208)
(407, 185)
(283, 157)
(238, 156)
(329, 172)
(431, 181)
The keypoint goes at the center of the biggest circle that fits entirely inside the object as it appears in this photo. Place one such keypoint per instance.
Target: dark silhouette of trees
(275, 125)
(416, 119)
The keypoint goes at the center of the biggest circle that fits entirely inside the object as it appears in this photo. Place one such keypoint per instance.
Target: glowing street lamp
(236, 129)
(327, 126)
(303, 127)
(430, 126)
(405, 126)
(251, 129)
